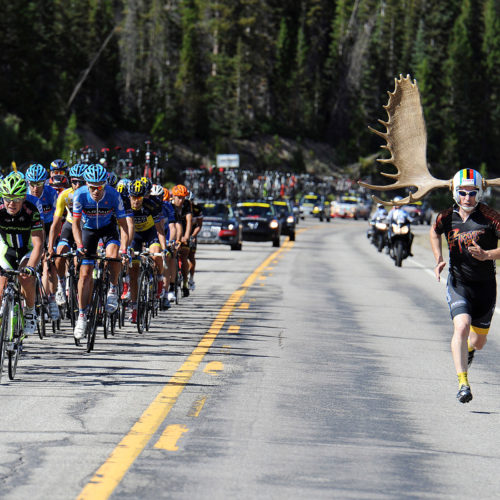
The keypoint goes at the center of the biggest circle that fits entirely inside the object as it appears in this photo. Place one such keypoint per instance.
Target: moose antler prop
(406, 140)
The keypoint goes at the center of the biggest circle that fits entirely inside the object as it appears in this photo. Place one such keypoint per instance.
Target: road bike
(147, 300)
(11, 329)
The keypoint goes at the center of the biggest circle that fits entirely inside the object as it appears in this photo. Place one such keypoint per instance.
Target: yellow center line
(112, 471)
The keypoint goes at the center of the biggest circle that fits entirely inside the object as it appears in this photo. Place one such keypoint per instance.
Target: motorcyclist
(399, 215)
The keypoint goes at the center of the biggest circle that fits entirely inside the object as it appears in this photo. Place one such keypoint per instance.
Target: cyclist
(149, 232)
(170, 235)
(62, 228)
(58, 175)
(95, 207)
(472, 230)
(185, 217)
(193, 243)
(21, 241)
(36, 175)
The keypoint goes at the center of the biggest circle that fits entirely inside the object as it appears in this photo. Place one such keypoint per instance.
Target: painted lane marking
(170, 436)
(112, 471)
(244, 305)
(214, 367)
(197, 407)
(233, 329)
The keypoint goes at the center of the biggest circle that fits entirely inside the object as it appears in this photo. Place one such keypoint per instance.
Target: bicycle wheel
(142, 300)
(72, 300)
(92, 317)
(5, 330)
(40, 311)
(178, 282)
(16, 341)
(151, 297)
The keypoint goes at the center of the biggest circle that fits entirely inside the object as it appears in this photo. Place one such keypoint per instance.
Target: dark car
(220, 225)
(284, 211)
(259, 222)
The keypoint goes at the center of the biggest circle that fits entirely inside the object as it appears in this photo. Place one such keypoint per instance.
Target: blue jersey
(37, 203)
(168, 212)
(48, 202)
(99, 214)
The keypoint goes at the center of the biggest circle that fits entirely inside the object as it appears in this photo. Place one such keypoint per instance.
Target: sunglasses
(470, 193)
(138, 198)
(58, 172)
(37, 184)
(7, 199)
(100, 187)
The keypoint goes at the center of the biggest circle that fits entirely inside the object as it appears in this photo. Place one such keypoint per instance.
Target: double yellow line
(112, 471)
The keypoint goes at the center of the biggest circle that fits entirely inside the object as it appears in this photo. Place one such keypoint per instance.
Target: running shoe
(80, 327)
(464, 394)
(191, 284)
(29, 323)
(133, 316)
(171, 296)
(185, 291)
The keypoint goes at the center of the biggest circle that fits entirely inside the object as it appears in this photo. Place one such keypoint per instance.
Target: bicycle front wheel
(142, 301)
(5, 330)
(92, 317)
(15, 343)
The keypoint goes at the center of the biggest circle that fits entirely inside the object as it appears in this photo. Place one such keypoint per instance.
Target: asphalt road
(317, 371)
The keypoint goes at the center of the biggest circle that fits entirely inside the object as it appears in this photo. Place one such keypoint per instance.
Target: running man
(472, 230)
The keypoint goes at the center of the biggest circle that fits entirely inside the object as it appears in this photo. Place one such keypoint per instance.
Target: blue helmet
(58, 165)
(36, 173)
(112, 179)
(95, 174)
(15, 172)
(77, 171)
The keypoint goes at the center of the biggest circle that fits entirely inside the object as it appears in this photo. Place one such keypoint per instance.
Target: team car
(220, 225)
(259, 221)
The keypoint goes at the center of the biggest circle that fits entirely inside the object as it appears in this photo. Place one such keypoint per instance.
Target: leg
(461, 329)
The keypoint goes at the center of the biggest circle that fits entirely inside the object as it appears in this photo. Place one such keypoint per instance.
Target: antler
(406, 139)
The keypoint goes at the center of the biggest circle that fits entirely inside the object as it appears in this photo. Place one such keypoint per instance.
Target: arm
(197, 228)
(54, 231)
(189, 224)
(130, 228)
(123, 234)
(478, 253)
(436, 246)
(160, 229)
(77, 231)
(37, 239)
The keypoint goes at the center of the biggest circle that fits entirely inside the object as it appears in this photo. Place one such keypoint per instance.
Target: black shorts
(477, 299)
(90, 239)
(10, 257)
(146, 238)
(66, 238)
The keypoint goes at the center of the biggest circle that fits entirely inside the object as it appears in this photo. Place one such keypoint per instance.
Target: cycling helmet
(36, 173)
(166, 194)
(14, 185)
(112, 179)
(156, 190)
(147, 183)
(190, 195)
(467, 177)
(137, 188)
(77, 171)
(95, 174)
(15, 172)
(58, 165)
(122, 186)
(180, 190)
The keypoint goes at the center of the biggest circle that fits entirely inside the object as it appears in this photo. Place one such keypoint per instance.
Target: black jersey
(15, 230)
(180, 213)
(146, 216)
(483, 227)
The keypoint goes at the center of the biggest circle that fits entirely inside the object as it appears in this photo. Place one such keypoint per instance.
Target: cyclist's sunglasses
(58, 172)
(470, 193)
(8, 199)
(37, 184)
(138, 198)
(94, 187)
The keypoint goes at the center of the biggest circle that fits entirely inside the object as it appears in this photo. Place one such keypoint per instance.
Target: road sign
(228, 161)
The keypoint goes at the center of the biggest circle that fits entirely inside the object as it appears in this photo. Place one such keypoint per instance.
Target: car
(220, 225)
(259, 221)
(314, 205)
(284, 211)
(345, 207)
(363, 209)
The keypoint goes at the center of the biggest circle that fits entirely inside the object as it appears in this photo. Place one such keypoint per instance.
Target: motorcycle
(377, 233)
(400, 238)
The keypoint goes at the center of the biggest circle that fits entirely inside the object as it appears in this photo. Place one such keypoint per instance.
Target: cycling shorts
(477, 299)
(11, 258)
(146, 238)
(66, 238)
(90, 239)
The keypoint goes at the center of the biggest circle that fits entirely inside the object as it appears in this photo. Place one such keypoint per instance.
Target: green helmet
(14, 185)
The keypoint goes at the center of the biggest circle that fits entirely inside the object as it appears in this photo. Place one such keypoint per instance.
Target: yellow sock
(462, 379)
(469, 347)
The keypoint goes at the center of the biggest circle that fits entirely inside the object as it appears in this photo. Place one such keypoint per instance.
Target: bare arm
(436, 246)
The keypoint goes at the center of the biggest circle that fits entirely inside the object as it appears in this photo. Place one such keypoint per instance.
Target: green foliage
(216, 70)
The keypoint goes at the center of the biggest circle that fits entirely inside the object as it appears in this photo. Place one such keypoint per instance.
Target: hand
(81, 251)
(438, 269)
(29, 271)
(477, 252)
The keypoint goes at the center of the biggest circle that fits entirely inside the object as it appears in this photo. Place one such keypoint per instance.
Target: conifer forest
(210, 71)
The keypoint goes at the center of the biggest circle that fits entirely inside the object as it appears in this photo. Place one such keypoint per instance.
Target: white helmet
(467, 177)
(156, 190)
